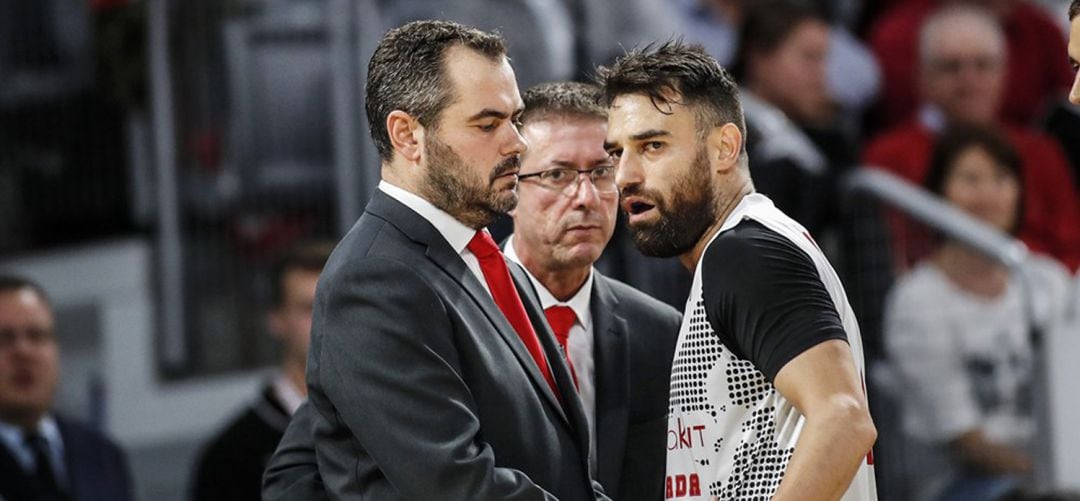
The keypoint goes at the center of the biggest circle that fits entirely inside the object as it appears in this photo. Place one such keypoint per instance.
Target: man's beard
(453, 187)
(683, 219)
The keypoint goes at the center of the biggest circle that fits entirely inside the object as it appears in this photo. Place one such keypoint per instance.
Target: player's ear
(724, 144)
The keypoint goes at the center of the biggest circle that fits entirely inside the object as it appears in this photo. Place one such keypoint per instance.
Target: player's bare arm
(824, 385)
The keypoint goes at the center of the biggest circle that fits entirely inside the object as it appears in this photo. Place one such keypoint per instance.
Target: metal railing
(954, 224)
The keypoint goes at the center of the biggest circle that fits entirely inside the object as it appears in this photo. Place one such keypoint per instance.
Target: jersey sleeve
(764, 297)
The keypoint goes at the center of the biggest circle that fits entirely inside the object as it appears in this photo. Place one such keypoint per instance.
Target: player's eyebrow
(649, 134)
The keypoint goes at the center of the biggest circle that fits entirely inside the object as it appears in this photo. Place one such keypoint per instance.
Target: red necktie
(561, 319)
(497, 276)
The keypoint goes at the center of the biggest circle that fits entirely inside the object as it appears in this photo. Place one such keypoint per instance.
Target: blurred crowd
(964, 98)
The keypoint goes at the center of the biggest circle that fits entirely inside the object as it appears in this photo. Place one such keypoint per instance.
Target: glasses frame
(572, 188)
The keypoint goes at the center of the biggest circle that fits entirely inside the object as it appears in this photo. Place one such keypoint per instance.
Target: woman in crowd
(959, 334)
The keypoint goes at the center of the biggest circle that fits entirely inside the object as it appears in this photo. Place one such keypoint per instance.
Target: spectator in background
(957, 332)
(1034, 73)
(43, 456)
(232, 464)
(851, 73)
(781, 66)
(799, 147)
(962, 75)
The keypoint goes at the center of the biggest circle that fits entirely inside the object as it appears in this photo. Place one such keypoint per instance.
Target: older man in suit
(431, 371)
(43, 456)
(618, 341)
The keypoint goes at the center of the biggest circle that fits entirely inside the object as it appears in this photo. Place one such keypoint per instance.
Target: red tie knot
(561, 319)
(482, 245)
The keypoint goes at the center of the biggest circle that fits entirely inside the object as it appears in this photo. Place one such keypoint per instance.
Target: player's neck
(691, 258)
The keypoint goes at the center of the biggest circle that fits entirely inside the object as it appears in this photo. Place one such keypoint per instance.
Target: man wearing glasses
(619, 342)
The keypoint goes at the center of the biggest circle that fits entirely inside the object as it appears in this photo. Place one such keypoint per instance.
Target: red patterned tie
(497, 276)
(561, 319)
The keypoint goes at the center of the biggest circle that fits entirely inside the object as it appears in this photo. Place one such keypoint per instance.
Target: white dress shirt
(456, 234)
(579, 344)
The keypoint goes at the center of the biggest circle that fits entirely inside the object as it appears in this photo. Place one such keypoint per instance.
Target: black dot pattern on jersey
(697, 355)
(746, 385)
(759, 462)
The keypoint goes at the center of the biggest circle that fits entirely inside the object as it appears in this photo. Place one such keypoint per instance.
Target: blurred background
(158, 156)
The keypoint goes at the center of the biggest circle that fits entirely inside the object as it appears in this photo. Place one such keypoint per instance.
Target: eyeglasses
(566, 179)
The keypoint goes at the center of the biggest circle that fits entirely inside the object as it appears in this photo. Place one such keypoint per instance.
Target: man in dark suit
(44, 457)
(431, 372)
(619, 342)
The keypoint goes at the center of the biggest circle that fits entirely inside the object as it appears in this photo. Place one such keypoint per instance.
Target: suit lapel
(439, 252)
(612, 355)
(571, 408)
(16, 484)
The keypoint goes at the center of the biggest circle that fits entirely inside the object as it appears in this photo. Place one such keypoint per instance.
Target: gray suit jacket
(632, 372)
(418, 386)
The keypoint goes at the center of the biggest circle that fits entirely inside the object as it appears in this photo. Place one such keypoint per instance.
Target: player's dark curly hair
(675, 72)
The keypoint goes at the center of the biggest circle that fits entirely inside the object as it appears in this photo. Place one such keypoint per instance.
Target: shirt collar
(456, 234)
(580, 302)
(286, 393)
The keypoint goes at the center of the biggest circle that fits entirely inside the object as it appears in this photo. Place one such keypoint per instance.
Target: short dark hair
(407, 73)
(307, 256)
(1074, 10)
(686, 69)
(958, 139)
(12, 283)
(767, 24)
(563, 99)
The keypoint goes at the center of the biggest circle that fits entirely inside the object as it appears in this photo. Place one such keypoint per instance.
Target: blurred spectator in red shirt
(962, 80)
(1037, 68)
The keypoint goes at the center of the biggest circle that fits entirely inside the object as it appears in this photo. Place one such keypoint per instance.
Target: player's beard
(453, 186)
(683, 218)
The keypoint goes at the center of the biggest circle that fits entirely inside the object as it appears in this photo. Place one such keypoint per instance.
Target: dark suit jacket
(634, 338)
(96, 468)
(231, 465)
(632, 371)
(421, 388)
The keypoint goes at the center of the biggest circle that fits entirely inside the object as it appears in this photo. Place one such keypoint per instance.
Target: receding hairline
(937, 24)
